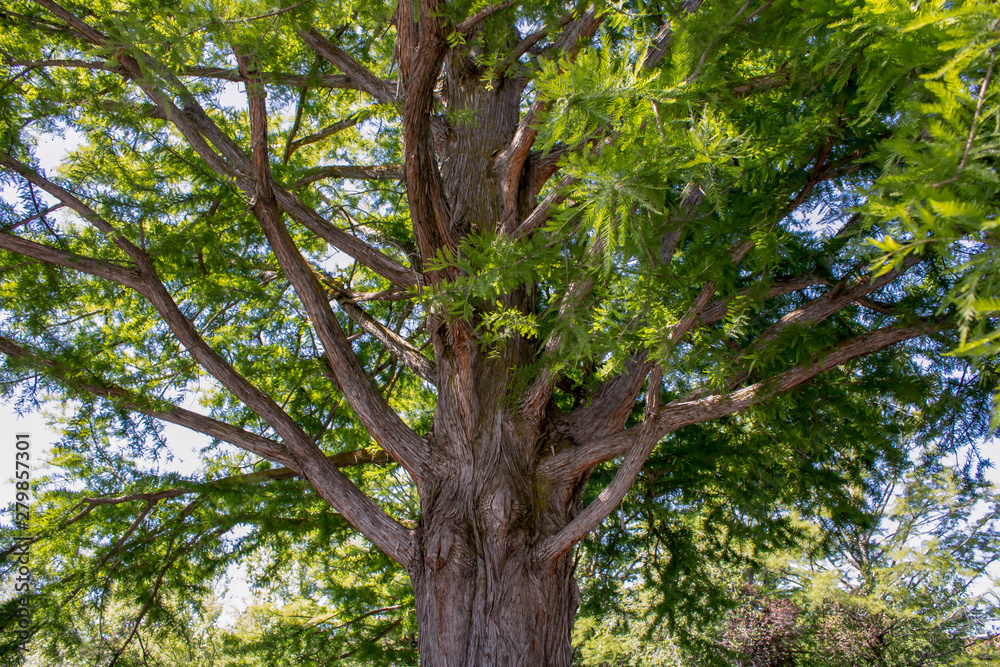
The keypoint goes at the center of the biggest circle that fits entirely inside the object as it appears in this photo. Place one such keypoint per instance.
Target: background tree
(497, 245)
(914, 584)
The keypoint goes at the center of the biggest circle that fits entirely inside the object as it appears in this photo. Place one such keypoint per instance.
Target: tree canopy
(459, 277)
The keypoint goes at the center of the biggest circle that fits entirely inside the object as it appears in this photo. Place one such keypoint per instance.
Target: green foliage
(845, 140)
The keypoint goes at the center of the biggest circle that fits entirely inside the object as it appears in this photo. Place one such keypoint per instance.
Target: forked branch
(678, 414)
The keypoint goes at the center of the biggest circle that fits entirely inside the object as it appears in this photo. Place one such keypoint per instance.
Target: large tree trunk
(481, 598)
(484, 603)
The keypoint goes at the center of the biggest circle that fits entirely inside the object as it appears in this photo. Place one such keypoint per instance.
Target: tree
(913, 588)
(913, 584)
(505, 243)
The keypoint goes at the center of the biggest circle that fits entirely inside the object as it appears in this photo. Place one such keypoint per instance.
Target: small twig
(480, 16)
(34, 217)
(975, 122)
(276, 12)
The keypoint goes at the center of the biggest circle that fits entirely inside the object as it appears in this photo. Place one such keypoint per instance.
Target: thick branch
(719, 309)
(639, 441)
(378, 172)
(351, 245)
(613, 401)
(359, 75)
(422, 49)
(354, 505)
(480, 16)
(512, 159)
(573, 461)
(251, 442)
(378, 418)
(72, 202)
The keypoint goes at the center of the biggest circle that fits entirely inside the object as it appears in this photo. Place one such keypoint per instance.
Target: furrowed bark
(421, 53)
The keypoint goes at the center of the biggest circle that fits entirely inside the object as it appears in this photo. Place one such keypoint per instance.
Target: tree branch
(378, 172)
(196, 126)
(611, 405)
(120, 274)
(639, 441)
(251, 442)
(396, 344)
(378, 418)
(512, 159)
(72, 202)
(661, 42)
(422, 49)
(480, 16)
(328, 81)
(361, 511)
(570, 462)
(358, 74)
(325, 133)
(718, 310)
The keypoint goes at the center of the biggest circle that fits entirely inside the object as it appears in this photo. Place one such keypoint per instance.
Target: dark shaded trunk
(481, 598)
